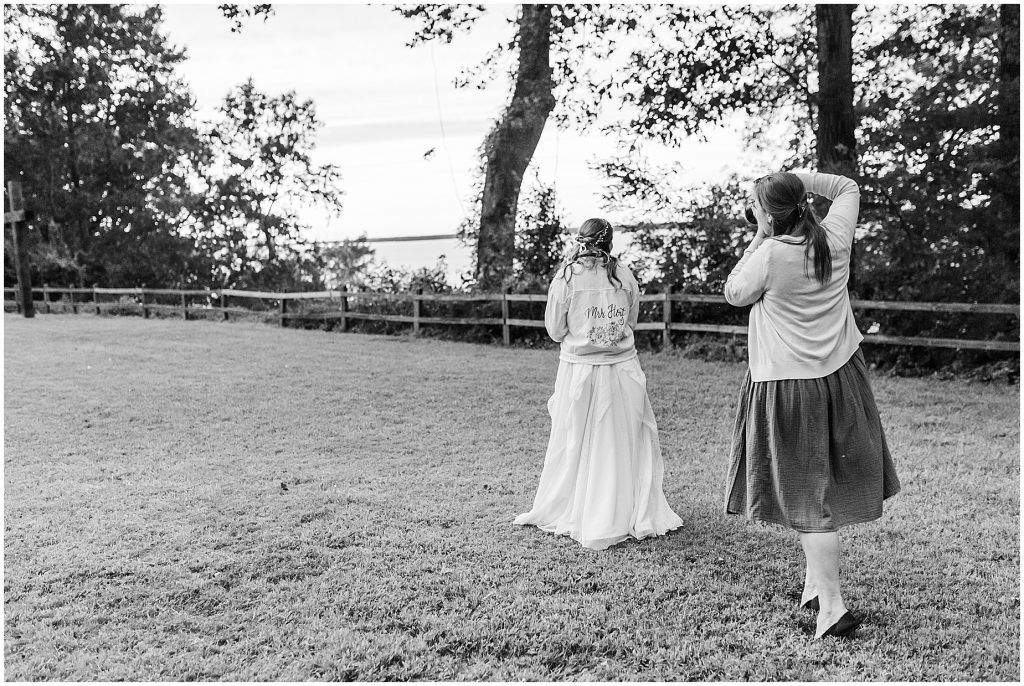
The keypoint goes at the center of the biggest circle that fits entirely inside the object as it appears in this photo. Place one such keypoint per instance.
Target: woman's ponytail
(815, 236)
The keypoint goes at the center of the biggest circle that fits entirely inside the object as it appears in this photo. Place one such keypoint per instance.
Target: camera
(749, 214)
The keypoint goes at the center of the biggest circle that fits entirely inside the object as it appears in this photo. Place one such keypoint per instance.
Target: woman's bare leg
(822, 553)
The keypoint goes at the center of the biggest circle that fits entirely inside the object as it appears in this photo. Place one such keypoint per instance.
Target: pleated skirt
(603, 471)
(810, 454)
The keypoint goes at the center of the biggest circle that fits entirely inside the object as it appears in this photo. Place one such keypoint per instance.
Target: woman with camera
(808, 450)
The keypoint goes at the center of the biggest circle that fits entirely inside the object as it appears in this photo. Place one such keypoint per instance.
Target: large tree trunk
(836, 142)
(1008, 117)
(837, 125)
(510, 147)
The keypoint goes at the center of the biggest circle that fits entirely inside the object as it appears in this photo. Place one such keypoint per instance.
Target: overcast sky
(384, 105)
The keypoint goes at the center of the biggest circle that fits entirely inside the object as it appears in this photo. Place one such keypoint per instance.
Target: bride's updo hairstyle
(784, 198)
(591, 244)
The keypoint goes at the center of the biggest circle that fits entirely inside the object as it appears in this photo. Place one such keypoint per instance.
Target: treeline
(936, 150)
(127, 185)
(919, 103)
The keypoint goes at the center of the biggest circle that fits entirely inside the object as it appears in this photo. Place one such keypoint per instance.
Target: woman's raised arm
(844, 193)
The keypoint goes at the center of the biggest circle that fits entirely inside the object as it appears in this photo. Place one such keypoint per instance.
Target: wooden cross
(16, 217)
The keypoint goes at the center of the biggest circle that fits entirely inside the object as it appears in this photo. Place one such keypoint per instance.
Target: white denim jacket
(590, 316)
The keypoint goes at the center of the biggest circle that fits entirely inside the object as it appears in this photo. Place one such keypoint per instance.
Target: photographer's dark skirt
(810, 454)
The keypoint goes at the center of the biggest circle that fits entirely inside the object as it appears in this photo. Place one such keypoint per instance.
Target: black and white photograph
(511, 342)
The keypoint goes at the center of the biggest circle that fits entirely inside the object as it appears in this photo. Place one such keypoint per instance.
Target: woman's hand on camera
(764, 227)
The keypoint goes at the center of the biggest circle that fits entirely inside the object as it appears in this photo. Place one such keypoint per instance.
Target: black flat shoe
(845, 627)
(811, 604)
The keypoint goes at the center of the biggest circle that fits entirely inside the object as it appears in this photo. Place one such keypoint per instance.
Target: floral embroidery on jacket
(607, 335)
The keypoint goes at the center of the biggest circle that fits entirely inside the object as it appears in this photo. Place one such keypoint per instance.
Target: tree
(702, 67)
(510, 147)
(835, 134)
(256, 175)
(935, 113)
(346, 263)
(836, 123)
(932, 158)
(920, 81)
(543, 40)
(1006, 178)
(693, 248)
(924, 100)
(712, 63)
(540, 240)
(97, 126)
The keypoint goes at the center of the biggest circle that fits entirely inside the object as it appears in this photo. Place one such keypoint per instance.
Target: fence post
(344, 307)
(46, 298)
(506, 333)
(95, 299)
(416, 312)
(184, 308)
(284, 310)
(74, 305)
(145, 310)
(666, 314)
(223, 303)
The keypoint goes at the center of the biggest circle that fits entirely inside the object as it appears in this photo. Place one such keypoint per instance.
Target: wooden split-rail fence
(143, 301)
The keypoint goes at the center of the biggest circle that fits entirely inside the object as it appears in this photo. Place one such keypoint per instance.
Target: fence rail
(216, 302)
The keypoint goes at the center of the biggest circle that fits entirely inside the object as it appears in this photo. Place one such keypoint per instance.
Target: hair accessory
(583, 240)
(594, 238)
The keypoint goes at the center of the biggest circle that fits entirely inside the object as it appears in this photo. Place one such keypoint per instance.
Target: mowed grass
(199, 500)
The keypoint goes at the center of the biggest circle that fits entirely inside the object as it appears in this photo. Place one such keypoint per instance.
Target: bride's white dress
(602, 476)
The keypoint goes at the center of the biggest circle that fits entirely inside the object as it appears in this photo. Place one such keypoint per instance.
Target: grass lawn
(200, 500)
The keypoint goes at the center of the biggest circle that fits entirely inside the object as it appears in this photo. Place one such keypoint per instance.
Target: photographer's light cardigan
(798, 328)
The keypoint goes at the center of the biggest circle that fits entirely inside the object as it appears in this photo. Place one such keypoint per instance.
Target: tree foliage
(708, 63)
(693, 247)
(96, 127)
(440, 22)
(128, 188)
(130, 191)
(940, 184)
(256, 174)
(540, 239)
(931, 154)
(346, 264)
(927, 83)
(238, 15)
(541, 49)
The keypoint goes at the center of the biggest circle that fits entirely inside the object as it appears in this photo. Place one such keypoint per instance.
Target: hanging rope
(444, 137)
